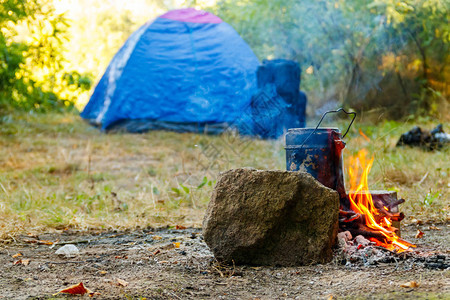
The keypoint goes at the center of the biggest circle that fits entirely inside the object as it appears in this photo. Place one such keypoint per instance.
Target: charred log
(385, 202)
(360, 229)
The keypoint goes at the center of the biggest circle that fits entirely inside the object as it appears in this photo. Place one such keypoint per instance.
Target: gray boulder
(271, 218)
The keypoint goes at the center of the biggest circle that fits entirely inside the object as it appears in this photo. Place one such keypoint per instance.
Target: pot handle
(323, 116)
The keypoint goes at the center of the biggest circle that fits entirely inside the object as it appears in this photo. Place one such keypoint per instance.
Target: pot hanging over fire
(318, 151)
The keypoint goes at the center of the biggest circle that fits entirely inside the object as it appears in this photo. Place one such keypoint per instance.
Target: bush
(32, 76)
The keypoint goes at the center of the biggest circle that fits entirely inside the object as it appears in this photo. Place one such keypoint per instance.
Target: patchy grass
(57, 172)
(420, 177)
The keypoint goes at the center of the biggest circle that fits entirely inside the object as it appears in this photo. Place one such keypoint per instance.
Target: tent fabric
(187, 69)
(191, 15)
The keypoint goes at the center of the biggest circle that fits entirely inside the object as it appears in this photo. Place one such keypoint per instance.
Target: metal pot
(319, 152)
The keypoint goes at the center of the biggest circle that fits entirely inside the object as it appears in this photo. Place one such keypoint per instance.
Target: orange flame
(362, 203)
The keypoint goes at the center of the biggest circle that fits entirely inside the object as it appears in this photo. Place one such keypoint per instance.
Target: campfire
(373, 215)
(370, 214)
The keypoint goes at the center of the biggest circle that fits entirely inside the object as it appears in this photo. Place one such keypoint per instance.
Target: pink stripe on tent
(191, 15)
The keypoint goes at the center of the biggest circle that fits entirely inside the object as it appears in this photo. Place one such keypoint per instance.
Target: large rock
(271, 218)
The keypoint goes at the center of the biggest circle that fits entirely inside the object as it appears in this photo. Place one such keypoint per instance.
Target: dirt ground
(177, 264)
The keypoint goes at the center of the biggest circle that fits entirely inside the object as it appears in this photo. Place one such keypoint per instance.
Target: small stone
(346, 235)
(68, 250)
(343, 238)
(44, 268)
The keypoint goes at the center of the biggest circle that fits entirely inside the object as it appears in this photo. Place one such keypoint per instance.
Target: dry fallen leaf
(102, 272)
(121, 282)
(419, 234)
(418, 222)
(25, 262)
(411, 284)
(180, 227)
(44, 242)
(17, 255)
(156, 237)
(77, 289)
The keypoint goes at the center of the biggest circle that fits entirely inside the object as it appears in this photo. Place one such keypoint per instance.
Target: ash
(359, 251)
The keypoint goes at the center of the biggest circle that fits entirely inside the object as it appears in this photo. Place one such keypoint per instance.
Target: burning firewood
(371, 214)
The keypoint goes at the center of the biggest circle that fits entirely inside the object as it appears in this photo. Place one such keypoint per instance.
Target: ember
(373, 220)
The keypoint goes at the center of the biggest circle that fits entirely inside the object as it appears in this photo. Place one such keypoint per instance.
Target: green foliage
(431, 197)
(365, 54)
(32, 75)
(360, 53)
(423, 25)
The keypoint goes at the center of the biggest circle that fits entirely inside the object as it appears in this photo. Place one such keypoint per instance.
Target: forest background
(387, 56)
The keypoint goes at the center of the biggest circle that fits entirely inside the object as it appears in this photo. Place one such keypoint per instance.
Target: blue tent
(185, 71)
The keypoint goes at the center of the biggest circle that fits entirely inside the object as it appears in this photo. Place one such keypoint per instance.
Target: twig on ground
(75, 242)
(234, 268)
(221, 274)
(4, 189)
(423, 178)
(12, 238)
(396, 263)
(173, 294)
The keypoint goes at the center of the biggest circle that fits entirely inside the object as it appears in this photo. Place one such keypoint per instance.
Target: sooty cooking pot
(318, 151)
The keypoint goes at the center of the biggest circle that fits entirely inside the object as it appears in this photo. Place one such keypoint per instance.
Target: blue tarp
(177, 74)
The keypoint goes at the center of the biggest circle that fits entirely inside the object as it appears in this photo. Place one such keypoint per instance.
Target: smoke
(340, 45)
